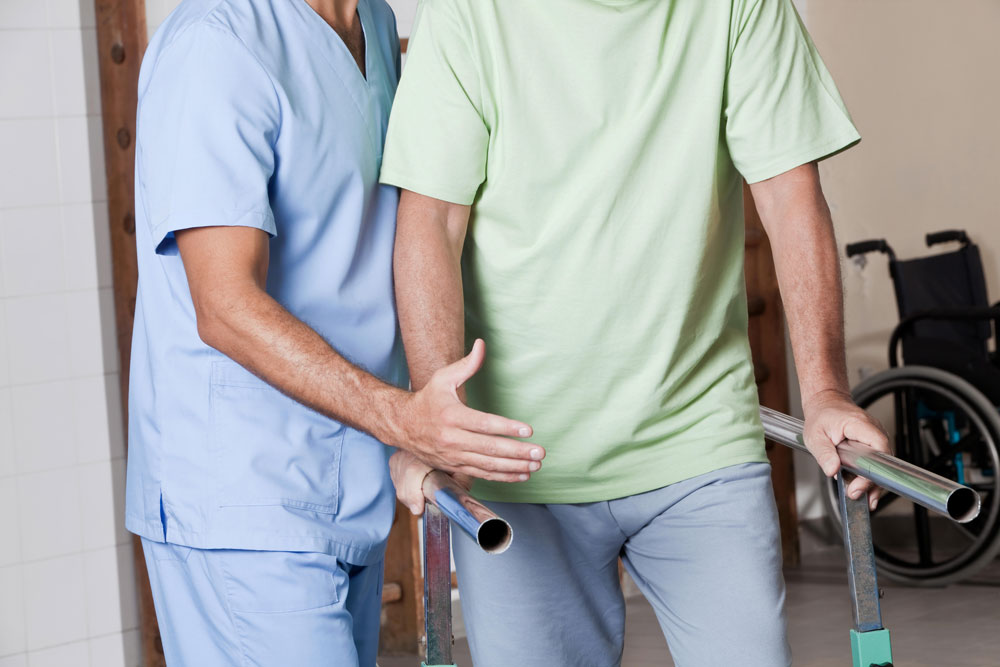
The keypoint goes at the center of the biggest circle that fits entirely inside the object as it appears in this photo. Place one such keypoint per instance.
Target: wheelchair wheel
(940, 422)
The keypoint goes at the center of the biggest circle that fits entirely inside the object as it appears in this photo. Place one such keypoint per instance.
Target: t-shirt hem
(802, 155)
(426, 188)
(256, 541)
(657, 478)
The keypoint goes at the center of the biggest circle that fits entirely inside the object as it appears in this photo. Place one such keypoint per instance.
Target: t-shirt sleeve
(782, 107)
(207, 124)
(437, 139)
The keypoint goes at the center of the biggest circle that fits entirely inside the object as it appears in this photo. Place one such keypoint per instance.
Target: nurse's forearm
(430, 234)
(251, 328)
(227, 271)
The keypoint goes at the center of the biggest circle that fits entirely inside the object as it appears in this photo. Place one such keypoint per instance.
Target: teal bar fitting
(871, 649)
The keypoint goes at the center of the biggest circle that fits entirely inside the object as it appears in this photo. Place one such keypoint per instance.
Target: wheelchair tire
(975, 414)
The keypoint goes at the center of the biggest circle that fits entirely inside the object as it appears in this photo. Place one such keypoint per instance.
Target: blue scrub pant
(222, 607)
(706, 553)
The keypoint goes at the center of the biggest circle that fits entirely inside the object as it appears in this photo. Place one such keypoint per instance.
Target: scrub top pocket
(271, 450)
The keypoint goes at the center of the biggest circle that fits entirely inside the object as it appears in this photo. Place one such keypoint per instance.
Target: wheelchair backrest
(947, 281)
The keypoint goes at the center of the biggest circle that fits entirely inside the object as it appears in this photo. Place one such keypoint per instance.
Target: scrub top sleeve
(207, 125)
(437, 139)
(782, 106)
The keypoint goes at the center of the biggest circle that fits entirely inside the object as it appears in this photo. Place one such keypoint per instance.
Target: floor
(957, 626)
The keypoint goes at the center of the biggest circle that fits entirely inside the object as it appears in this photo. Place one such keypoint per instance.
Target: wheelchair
(940, 407)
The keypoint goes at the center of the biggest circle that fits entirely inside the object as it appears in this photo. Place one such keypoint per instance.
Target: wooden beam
(767, 341)
(121, 41)
(403, 618)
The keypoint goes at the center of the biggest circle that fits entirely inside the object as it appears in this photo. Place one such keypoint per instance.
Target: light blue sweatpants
(705, 552)
(224, 607)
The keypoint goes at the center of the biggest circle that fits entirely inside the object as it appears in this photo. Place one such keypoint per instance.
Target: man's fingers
(867, 433)
(857, 487)
(825, 453)
(483, 422)
(874, 493)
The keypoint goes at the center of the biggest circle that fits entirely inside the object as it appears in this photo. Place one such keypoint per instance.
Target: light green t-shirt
(602, 145)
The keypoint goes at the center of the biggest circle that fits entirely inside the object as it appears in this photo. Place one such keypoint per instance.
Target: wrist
(818, 397)
(393, 410)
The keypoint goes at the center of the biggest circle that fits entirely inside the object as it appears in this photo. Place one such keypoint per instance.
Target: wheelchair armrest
(954, 314)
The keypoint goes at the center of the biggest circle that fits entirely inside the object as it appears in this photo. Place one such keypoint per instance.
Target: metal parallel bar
(923, 487)
(870, 642)
(493, 534)
(437, 589)
(860, 561)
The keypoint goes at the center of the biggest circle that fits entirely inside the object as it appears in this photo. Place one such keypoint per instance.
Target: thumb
(463, 369)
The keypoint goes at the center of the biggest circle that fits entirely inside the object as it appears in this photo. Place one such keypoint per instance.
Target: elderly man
(266, 363)
(575, 168)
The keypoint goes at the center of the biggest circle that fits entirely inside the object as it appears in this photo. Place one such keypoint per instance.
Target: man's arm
(226, 269)
(798, 225)
(430, 235)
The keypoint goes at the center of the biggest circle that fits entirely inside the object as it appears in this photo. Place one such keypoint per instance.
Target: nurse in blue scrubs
(267, 369)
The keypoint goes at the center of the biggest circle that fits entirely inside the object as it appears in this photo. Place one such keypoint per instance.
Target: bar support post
(870, 645)
(437, 589)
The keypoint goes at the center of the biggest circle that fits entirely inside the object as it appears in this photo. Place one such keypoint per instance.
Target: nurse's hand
(444, 433)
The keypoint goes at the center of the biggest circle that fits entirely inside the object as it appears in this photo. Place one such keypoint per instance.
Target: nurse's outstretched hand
(443, 432)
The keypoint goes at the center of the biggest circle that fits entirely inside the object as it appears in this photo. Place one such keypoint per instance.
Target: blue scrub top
(253, 113)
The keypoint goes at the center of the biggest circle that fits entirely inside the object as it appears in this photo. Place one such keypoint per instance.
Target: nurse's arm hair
(226, 269)
(799, 227)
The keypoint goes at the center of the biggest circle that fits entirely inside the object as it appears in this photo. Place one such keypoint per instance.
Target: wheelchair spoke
(927, 408)
(964, 445)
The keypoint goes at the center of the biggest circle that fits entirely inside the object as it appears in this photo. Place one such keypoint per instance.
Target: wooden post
(767, 340)
(403, 619)
(121, 41)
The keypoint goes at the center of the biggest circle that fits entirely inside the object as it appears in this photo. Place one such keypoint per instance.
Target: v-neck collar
(334, 45)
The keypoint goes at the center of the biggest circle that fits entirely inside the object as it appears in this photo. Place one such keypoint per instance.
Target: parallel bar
(920, 486)
(491, 533)
(860, 560)
(437, 588)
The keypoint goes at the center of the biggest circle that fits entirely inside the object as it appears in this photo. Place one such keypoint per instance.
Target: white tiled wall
(66, 572)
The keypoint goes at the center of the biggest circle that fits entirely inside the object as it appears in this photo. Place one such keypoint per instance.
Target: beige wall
(922, 81)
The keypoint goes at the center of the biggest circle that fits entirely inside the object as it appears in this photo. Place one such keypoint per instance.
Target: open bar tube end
(492, 533)
(958, 502)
